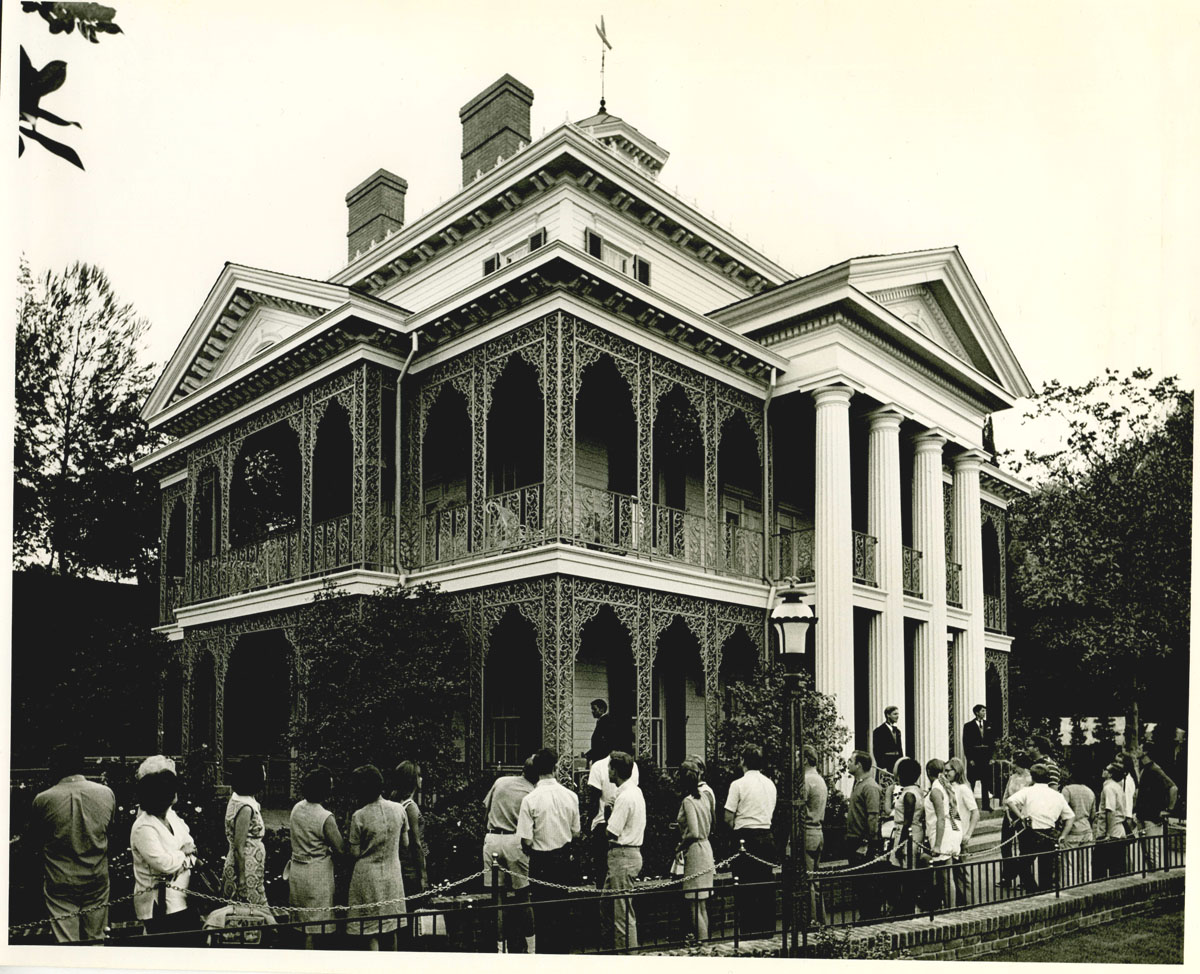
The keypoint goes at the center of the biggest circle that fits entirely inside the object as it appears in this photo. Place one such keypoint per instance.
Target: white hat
(154, 764)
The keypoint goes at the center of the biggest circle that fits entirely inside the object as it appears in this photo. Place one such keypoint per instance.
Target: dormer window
(616, 258)
(527, 246)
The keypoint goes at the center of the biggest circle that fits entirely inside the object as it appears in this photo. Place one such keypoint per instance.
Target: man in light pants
(626, 828)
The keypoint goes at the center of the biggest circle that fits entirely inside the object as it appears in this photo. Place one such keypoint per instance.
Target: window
(491, 265)
(537, 240)
(527, 246)
(616, 258)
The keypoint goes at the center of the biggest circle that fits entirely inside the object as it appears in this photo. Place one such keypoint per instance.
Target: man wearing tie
(885, 740)
(977, 745)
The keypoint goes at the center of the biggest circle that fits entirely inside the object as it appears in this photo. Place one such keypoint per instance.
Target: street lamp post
(791, 619)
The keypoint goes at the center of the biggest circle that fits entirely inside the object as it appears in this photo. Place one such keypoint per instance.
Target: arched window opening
(333, 465)
(604, 670)
(992, 572)
(678, 473)
(259, 699)
(739, 666)
(605, 458)
(446, 477)
(994, 696)
(173, 556)
(265, 493)
(515, 470)
(739, 473)
(677, 700)
(512, 693)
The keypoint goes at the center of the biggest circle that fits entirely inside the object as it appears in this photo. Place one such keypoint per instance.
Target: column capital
(929, 441)
(970, 460)
(885, 418)
(832, 395)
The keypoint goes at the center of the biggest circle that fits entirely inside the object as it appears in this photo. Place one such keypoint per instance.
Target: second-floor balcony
(866, 571)
(954, 584)
(911, 571)
(993, 613)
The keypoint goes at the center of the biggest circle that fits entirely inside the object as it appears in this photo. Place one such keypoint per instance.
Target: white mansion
(609, 428)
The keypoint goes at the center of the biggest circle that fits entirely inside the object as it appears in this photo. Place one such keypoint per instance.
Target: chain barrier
(47, 924)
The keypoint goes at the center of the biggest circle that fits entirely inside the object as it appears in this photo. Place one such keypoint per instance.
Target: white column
(886, 653)
(930, 678)
(833, 552)
(969, 667)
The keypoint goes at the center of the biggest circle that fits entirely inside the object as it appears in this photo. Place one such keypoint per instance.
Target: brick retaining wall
(1000, 926)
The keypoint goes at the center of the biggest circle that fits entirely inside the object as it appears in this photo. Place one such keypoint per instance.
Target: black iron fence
(660, 914)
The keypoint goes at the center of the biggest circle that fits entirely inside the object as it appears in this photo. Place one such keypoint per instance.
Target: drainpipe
(767, 513)
(398, 447)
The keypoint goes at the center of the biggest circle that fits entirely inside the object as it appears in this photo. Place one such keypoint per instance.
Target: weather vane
(607, 47)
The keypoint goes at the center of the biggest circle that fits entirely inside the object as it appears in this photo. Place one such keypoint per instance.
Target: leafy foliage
(91, 19)
(388, 677)
(1101, 550)
(78, 505)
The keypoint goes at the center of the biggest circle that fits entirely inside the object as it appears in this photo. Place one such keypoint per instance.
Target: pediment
(916, 304)
(247, 311)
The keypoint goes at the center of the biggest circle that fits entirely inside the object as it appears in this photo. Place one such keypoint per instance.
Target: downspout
(767, 513)
(396, 465)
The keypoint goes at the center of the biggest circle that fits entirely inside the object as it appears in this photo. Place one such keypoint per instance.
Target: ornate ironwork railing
(954, 584)
(446, 535)
(261, 564)
(605, 519)
(513, 519)
(993, 613)
(170, 595)
(865, 572)
(333, 544)
(741, 550)
(794, 554)
(678, 534)
(911, 571)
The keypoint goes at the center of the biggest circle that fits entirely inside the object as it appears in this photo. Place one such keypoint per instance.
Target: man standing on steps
(885, 740)
(603, 735)
(977, 745)
(547, 824)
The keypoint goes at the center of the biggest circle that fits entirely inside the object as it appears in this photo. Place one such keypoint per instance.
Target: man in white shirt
(625, 830)
(602, 794)
(1041, 809)
(546, 825)
(748, 811)
(1109, 857)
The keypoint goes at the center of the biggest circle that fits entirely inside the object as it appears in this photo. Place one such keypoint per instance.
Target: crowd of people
(895, 825)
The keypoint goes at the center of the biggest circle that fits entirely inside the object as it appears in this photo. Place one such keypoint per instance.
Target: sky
(1053, 141)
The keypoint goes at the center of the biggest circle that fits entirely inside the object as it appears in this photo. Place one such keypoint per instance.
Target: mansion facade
(611, 431)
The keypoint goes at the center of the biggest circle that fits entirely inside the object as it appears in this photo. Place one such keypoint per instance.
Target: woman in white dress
(968, 817)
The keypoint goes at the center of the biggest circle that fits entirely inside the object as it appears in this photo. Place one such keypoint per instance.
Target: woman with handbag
(163, 857)
(693, 855)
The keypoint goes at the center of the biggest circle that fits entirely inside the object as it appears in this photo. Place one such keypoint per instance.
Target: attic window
(496, 261)
(616, 258)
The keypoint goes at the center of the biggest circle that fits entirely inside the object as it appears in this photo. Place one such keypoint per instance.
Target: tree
(79, 508)
(387, 675)
(92, 19)
(1101, 551)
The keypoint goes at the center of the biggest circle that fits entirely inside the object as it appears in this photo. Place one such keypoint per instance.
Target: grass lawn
(1155, 938)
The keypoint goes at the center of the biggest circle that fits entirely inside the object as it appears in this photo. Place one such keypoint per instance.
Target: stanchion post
(497, 899)
(736, 906)
(1166, 835)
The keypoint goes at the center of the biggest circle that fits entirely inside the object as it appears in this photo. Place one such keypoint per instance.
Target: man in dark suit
(885, 740)
(977, 746)
(604, 735)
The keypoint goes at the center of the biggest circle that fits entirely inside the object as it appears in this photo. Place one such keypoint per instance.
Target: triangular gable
(933, 291)
(247, 311)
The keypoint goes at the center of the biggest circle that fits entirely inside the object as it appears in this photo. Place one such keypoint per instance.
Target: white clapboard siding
(591, 682)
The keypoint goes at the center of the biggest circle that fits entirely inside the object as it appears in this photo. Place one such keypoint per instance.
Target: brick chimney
(374, 206)
(493, 123)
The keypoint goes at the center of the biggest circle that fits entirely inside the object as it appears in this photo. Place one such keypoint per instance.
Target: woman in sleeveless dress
(695, 826)
(315, 838)
(378, 830)
(412, 862)
(908, 820)
(244, 875)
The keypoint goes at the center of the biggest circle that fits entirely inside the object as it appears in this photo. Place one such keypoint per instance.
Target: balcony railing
(170, 597)
(333, 544)
(446, 535)
(678, 534)
(261, 564)
(604, 519)
(513, 519)
(993, 613)
(911, 571)
(793, 554)
(954, 584)
(741, 550)
(865, 572)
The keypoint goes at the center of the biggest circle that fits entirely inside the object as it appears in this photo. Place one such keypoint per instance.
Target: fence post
(1166, 835)
(1058, 868)
(497, 899)
(1141, 843)
(736, 925)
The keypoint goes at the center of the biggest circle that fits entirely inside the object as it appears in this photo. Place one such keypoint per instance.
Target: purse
(678, 864)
